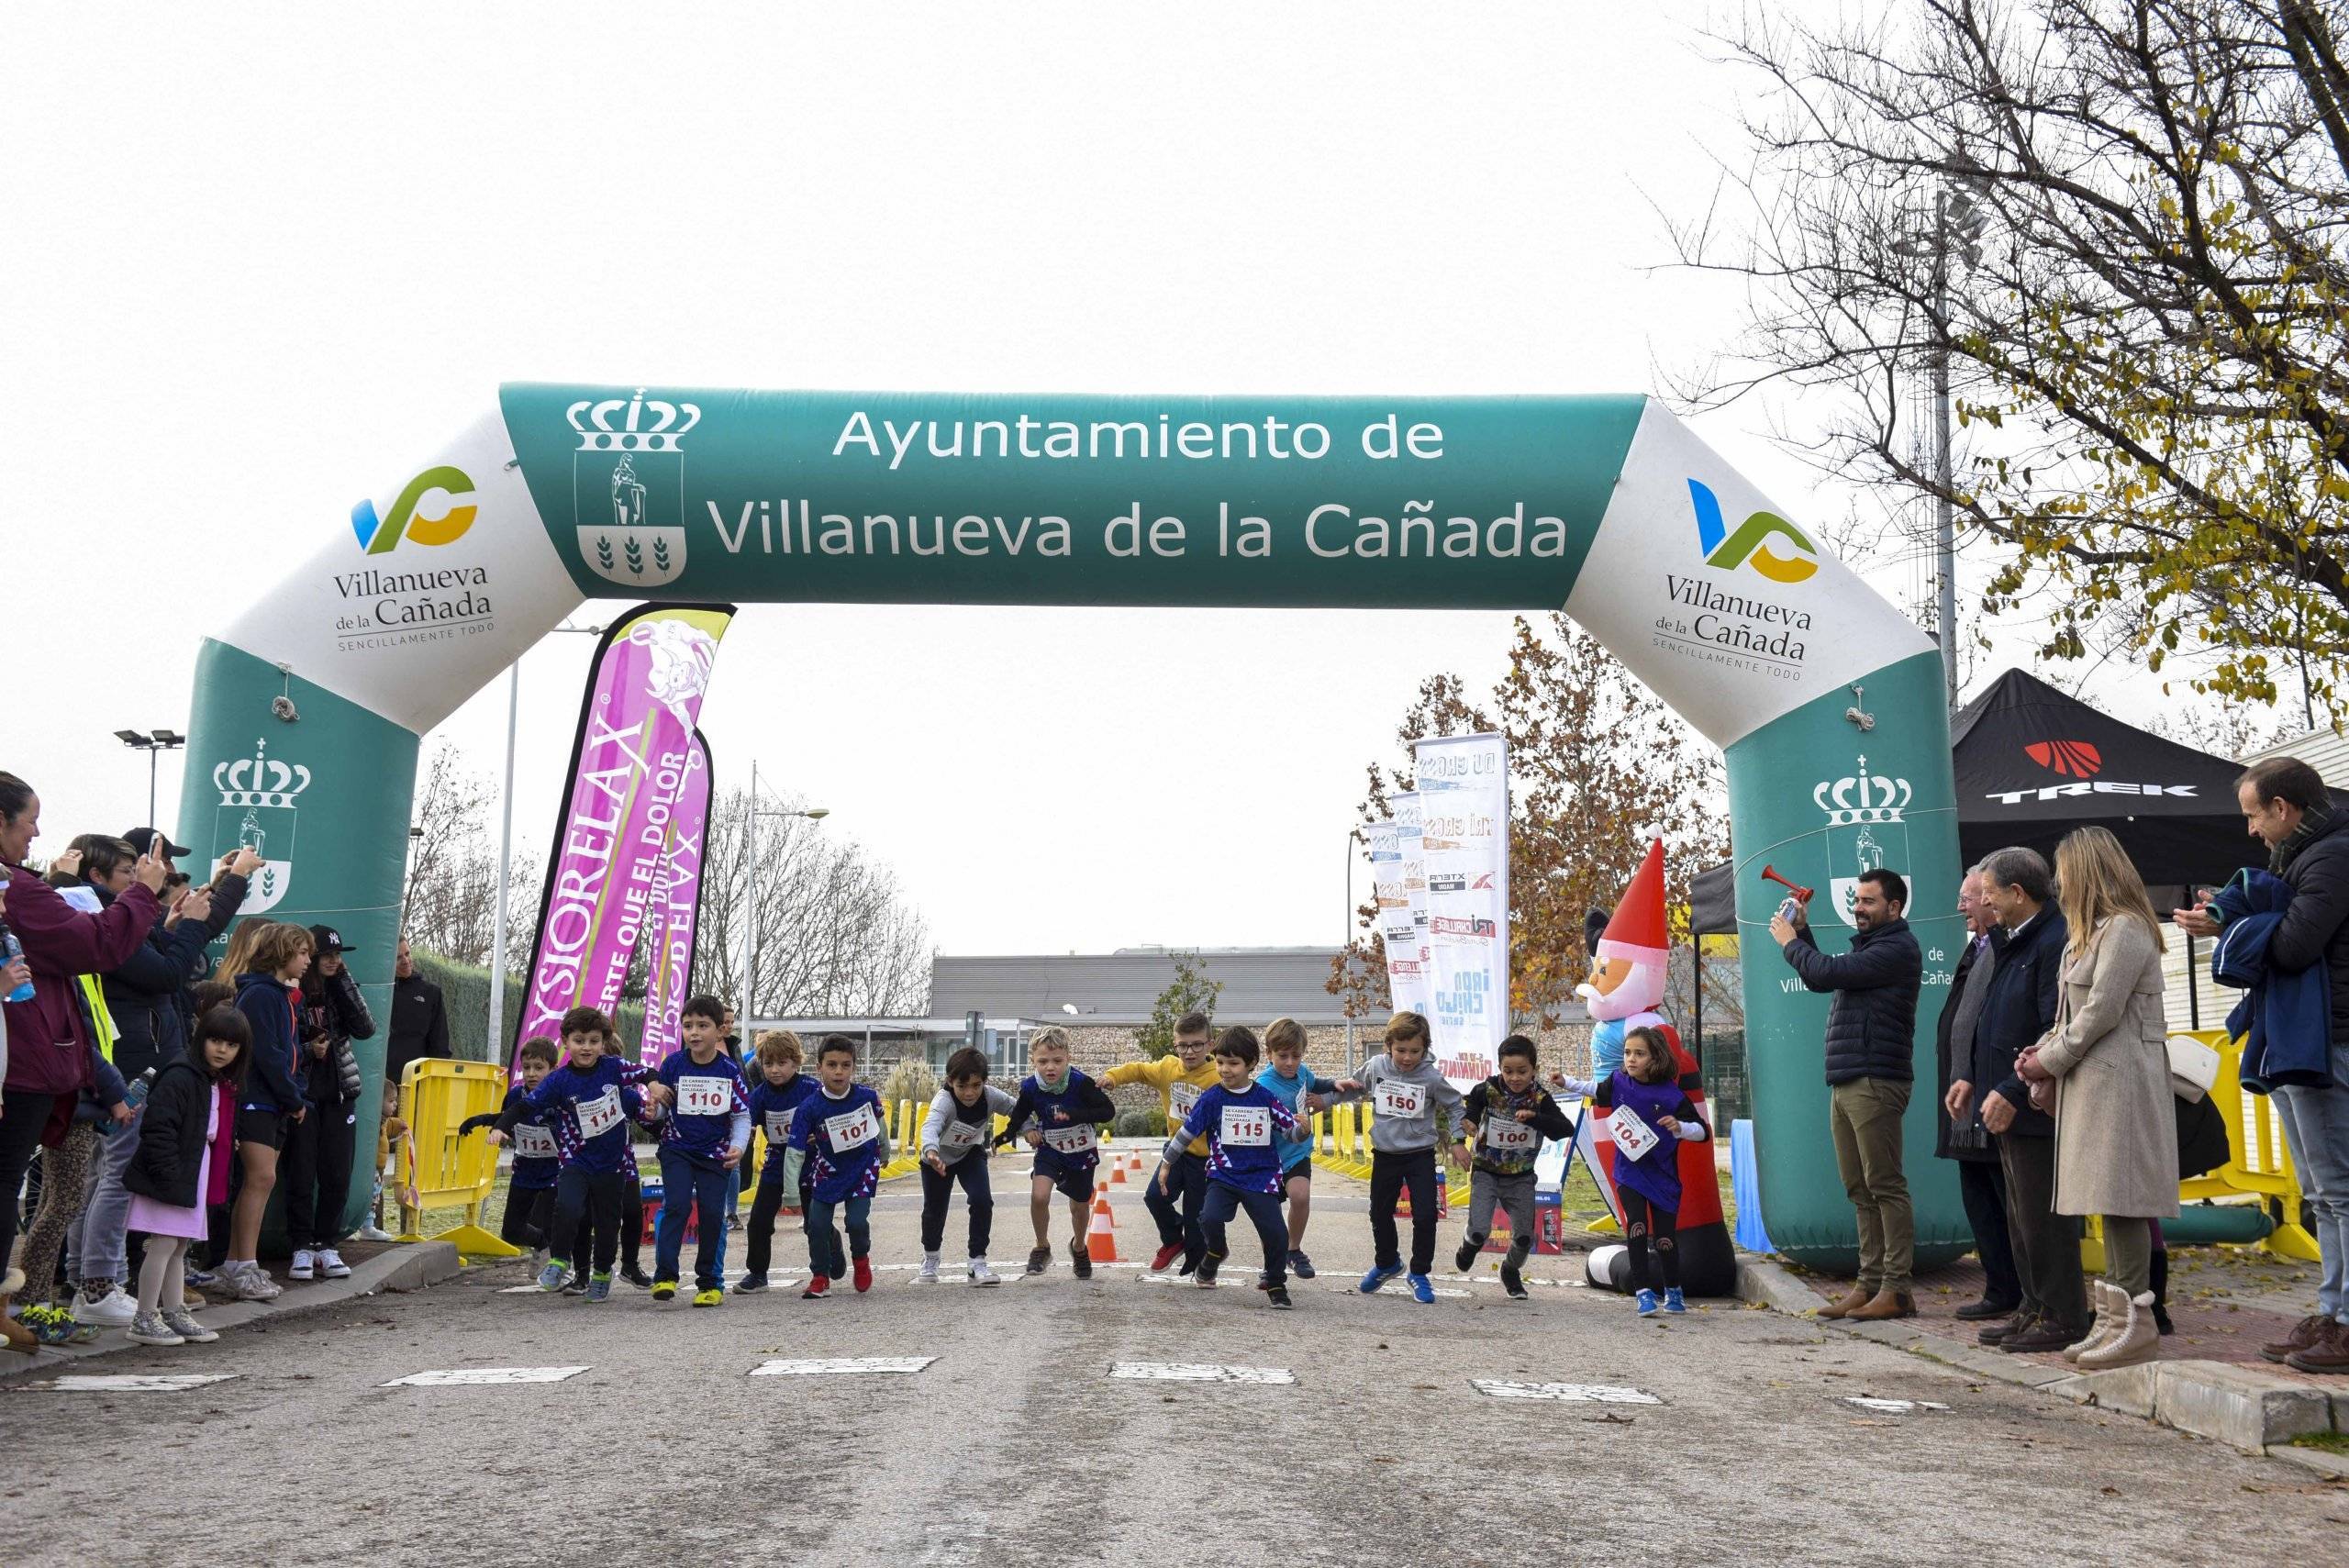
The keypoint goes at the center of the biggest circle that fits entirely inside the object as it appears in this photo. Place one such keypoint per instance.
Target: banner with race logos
(630, 768)
(677, 910)
(1419, 977)
(1463, 834)
(1398, 933)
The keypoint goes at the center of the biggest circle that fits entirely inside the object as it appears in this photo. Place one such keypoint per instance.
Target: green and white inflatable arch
(1606, 506)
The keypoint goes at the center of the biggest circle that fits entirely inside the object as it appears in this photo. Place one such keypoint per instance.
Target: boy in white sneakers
(954, 1139)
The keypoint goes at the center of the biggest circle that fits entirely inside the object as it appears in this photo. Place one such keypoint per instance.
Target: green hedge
(465, 994)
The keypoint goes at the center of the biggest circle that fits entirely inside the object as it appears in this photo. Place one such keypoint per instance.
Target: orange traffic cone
(1101, 1236)
(1117, 1174)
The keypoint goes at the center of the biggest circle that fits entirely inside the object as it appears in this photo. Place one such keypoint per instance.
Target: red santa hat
(1636, 934)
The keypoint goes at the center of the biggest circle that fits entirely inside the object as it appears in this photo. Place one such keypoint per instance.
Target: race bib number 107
(854, 1129)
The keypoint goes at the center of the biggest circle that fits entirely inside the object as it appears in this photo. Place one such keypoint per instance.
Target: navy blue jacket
(2026, 983)
(2283, 1020)
(1872, 1022)
(146, 995)
(2316, 925)
(268, 1005)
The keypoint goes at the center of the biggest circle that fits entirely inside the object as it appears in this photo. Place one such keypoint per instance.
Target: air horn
(1792, 907)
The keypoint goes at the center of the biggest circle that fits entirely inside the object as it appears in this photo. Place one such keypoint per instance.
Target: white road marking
(1572, 1393)
(1401, 1292)
(1198, 1372)
(1892, 1407)
(131, 1382)
(471, 1376)
(817, 1366)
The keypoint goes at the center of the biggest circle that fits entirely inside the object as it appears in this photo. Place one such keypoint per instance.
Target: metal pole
(1944, 513)
(1345, 949)
(492, 1050)
(2193, 994)
(749, 891)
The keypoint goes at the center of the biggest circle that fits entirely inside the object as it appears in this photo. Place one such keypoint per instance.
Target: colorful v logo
(381, 535)
(1750, 545)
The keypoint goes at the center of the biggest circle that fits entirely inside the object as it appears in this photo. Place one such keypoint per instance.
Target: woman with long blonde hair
(2104, 1069)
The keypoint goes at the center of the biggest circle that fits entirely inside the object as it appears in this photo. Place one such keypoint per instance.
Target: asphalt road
(1016, 1447)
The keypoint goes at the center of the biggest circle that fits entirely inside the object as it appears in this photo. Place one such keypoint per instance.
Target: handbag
(2193, 1067)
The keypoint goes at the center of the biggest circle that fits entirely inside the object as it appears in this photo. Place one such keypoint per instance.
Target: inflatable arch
(307, 710)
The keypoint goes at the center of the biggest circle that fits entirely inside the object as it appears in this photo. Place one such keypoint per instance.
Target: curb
(397, 1270)
(2244, 1407)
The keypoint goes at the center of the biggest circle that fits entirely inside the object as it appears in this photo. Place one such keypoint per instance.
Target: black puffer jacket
(1872, 1022)
(171, 1136)
(146, 996)
(2316, 923)
(332, 1007)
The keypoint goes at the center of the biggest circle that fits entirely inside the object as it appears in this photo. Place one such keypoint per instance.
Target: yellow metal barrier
(904, 1122)
(442, 1168)
(2258, 1162)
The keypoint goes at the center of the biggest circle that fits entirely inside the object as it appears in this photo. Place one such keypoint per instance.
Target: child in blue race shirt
(1245, 1125)
(1068, 1108)
(592, 1107)
(840, 1134)
(1303, 1091)
(775, 1097)
(704, 1138)
(530, 1187)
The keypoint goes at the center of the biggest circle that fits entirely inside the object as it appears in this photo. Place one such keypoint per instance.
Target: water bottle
(11, 950)
(136, 1096)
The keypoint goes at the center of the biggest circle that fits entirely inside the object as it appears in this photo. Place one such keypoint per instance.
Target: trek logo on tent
(2102, 787)
(2073, 758)
(381, 535)
(1750, 546)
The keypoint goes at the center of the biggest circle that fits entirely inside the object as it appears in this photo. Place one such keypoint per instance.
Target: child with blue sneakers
(841, 1135)
(775, 1097)
(1412, 1104)
(1068, 1109)
(590, 1108)
(529, 1186)
(702, 1141)
(1304, 1091)
(1646, 1090)
(1246, 1126)
(1503, 1121)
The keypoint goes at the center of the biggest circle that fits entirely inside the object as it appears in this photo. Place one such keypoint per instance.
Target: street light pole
(1959, 221)
(1345, 949)
(154, 744)
(750, 884)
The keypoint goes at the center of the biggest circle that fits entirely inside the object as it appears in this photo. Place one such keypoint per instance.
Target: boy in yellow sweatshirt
(1179, 1078)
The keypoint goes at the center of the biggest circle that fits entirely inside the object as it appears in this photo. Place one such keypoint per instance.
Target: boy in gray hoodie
(1413, 1108)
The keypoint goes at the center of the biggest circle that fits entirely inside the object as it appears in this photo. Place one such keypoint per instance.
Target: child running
(1503, 1121)
(1303, 1091)
(180, 1166)
(1180, 1078)
(1245, 1125)
(839, 1135)
(1409, 1100)
(1066, 1107)
(704, 1138)
(591, 1108)
(529, 1186)
(1647, 1090)
(775, 1098)
(955, 1139)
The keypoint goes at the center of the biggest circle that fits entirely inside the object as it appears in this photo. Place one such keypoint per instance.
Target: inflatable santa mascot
(1625, 987)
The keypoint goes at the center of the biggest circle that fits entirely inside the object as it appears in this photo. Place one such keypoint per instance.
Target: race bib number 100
(600, 1114)
(1395, 1097)
(704, 1096)
(1507, 1135)
(854, 1129)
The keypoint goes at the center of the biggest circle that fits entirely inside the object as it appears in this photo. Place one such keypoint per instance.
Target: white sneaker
(928, 1272)
(982, 1274)
(330, 1264)
(188, 1328)
(304, 1261)
(112, 1310)
(247, 1281)
(371, 1233)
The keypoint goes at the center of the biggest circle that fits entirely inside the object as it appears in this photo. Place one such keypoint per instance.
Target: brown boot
(1851, 1302)
(1884, 1304)
(2330, 1354)
(2306, 1332)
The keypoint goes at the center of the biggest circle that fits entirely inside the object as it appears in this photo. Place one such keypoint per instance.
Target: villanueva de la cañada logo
(1750, 546)
(382, 535)
(628, 488)
(257, 813)
(413, 599)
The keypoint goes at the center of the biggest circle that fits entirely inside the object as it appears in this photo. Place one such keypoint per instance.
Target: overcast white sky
(256, 258)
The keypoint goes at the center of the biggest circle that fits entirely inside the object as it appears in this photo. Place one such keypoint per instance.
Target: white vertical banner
(1417, 996)
(1463, 834)
(1397, 933)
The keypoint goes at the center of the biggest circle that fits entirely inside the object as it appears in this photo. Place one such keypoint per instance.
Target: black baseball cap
(325, 939)
(141, 837)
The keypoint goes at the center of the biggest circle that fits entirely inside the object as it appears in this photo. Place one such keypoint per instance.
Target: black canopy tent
(2033, 763)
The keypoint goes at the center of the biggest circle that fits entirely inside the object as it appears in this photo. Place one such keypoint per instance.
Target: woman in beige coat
(2105, 1068)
